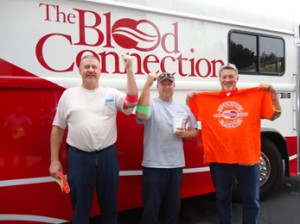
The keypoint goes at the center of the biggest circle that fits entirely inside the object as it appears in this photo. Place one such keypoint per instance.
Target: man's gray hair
(228, 66)
(89, 56)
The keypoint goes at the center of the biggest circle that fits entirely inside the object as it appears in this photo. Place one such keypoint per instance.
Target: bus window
(257, 54)
(271, 55)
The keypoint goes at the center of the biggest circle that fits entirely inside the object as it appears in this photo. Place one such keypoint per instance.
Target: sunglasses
(165, 75)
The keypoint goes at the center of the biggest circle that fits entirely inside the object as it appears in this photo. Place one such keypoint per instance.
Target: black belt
(95, 151)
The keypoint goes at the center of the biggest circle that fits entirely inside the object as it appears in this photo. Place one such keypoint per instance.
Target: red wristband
(132, 98)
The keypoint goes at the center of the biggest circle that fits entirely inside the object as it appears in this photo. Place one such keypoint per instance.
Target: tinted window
(254, 53)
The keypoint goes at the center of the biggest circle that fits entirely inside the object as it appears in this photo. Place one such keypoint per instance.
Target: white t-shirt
(90, 116)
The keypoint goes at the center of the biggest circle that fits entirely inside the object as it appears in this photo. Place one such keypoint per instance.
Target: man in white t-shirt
(89, 111)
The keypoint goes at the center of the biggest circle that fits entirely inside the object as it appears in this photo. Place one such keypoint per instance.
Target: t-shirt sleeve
(120, 99)
(192, 123)
(268, 108)
(194, 105)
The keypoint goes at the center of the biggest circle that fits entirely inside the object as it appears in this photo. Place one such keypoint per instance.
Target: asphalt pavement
(281, 207)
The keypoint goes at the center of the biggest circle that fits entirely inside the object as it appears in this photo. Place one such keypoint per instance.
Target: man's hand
(190, 95)
(151, 78)
(55, 168)
(270, 88)
(127, 62)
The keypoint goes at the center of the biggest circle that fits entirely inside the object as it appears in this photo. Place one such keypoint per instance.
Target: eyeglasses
(165, 75)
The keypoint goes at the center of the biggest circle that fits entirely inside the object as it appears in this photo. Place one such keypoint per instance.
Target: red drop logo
(141, 35)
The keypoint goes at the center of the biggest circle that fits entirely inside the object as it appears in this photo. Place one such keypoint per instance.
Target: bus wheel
(271, 170)
(271, 167)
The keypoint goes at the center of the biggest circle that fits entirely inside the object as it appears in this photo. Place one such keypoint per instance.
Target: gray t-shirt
(162, 149)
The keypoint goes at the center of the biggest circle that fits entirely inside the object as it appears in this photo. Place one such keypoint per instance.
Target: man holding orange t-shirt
(231, 139)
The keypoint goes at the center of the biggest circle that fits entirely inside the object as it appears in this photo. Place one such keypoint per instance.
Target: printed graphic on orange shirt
(230, 114)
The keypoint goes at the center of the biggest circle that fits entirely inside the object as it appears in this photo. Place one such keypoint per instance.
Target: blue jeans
(161, 192)
(247, 177)
(88, 171)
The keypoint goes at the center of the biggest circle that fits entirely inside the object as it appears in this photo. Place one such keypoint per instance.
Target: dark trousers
(88, 171)
(161, 193)
(247, 177)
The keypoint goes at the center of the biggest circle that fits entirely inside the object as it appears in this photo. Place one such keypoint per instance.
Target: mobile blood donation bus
(41, 44)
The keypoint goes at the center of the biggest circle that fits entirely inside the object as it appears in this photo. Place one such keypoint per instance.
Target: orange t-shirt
(231, 123)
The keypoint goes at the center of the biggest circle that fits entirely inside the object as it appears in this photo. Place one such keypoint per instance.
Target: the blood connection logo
(100, 34)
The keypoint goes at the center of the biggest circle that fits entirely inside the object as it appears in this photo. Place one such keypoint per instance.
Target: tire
(271, 170)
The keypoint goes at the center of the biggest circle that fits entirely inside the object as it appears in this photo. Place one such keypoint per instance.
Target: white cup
(177, 123)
